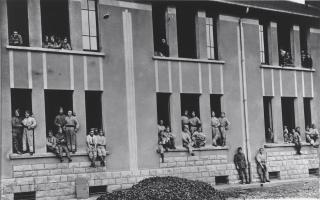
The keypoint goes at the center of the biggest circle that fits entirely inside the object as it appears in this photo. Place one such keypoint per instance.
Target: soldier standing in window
(194, 122)
(297, 140)
(185, 118)
(164, 48)
(101, 147)
(224, 126)
(16, 131)
(241, 165)
(72, 127)
(215, 124)
(29, 124)
(60, 120)
(92, 147)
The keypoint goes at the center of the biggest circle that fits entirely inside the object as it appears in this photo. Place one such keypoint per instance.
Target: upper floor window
(55, 24)
(18, 30)
(284, 43)
(306, 60)
(186, 32)
(161, 47)
(263, 39)
(211, 32)
(89, 25)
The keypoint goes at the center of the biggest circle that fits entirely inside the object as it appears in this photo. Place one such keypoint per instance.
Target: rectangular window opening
(93, 109)
(18, 27)
(186, 31)
(190, 103)
(274, 175)
(263, 39)
(54, 99)
(268, 121)
(288, 116)
(25, 196)
(163, 108)
(161, 47)
(90, 39)
(21, 100)
(314, 172)
(55, 23)
(215, 104)
(211, 35)
(306, 60)
(222, 180)
(97, 190)
(284, 43)
(307, 111)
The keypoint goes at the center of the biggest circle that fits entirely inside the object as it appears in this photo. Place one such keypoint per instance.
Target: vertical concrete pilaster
(175, 105)
(75, 21)
(34, 18)
(273, 44)
(38, 109)
(171, 31)
(295, 46)
(201, 34)
(277, 119)
(79, 106)
(204, 102)
(299, 116)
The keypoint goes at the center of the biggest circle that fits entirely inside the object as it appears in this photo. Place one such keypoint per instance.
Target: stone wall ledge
(288, 68)
(207, 148)
(194, 60)
(59, 51)
(276, 145)
(14, 156)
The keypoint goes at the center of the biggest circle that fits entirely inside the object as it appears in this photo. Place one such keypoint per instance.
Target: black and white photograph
(159, 99)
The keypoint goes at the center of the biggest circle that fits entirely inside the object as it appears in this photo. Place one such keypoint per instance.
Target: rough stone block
(67, 171)
(43, 172)
(55, 172)
(125, 174)
(74, 165)
(51, 166)
(144, 172)
(79, 170)
(82, 188)
(62, 165)
(22, 167)
(25, 188)
(194, 158)
(116, 174)
(39, 180)
(37, 166)
(200, 162)
(54, 179)
(25, 181)
(18, 174)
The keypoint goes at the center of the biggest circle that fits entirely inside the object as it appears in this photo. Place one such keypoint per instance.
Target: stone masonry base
(57, 181)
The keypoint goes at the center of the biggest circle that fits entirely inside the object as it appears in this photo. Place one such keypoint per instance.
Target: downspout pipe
(244, 99)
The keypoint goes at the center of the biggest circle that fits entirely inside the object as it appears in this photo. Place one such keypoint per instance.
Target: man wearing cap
(72, 127)
(224, 126)
(62, 145)
(29, 124)
(194, 122)
(261, 159)
(60, 119)
(215, 124)
(241, 165)
(92, 147)
(185, 118)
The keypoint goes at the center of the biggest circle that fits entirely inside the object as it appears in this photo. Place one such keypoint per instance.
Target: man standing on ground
(261, 159)
(241, 165)
(72, 127)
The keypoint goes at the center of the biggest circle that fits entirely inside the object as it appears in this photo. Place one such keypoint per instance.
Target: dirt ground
(303, 189)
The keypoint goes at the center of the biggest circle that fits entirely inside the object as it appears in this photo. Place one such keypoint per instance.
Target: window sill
(287, 68)
(207, 148)
(14, 156)
(60, 51)
(188, 60)
(276, 145)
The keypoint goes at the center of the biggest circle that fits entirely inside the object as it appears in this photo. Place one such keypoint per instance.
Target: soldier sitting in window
(51, 142)
(15, 39)
(54, 43)
(199, 138)
(62, 145)
(269, 135)
(65, 44)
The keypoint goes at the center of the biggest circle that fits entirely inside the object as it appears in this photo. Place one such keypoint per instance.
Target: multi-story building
(223, 56)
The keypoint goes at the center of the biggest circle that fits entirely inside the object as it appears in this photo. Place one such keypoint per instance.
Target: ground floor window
(93, 110)
(163, 108)
(54, 100)
(307, 111)
(288, 116)
(20, 103)
(215, 104)
(268, 124)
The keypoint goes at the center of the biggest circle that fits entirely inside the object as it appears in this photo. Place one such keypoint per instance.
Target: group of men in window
(285, 59)
(192, 135)
(62, 139)
(54, 42)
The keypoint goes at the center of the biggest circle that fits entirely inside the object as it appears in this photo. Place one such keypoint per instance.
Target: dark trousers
(63, 148)
(243, 173)
(297, 146)
(16, 142)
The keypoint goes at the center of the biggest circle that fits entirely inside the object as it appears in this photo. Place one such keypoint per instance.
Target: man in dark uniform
(241, 165)
(61, 145)
(164, 48)
(60, 120)
(16, 131)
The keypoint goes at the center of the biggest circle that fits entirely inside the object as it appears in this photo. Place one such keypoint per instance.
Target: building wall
(129, 77)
